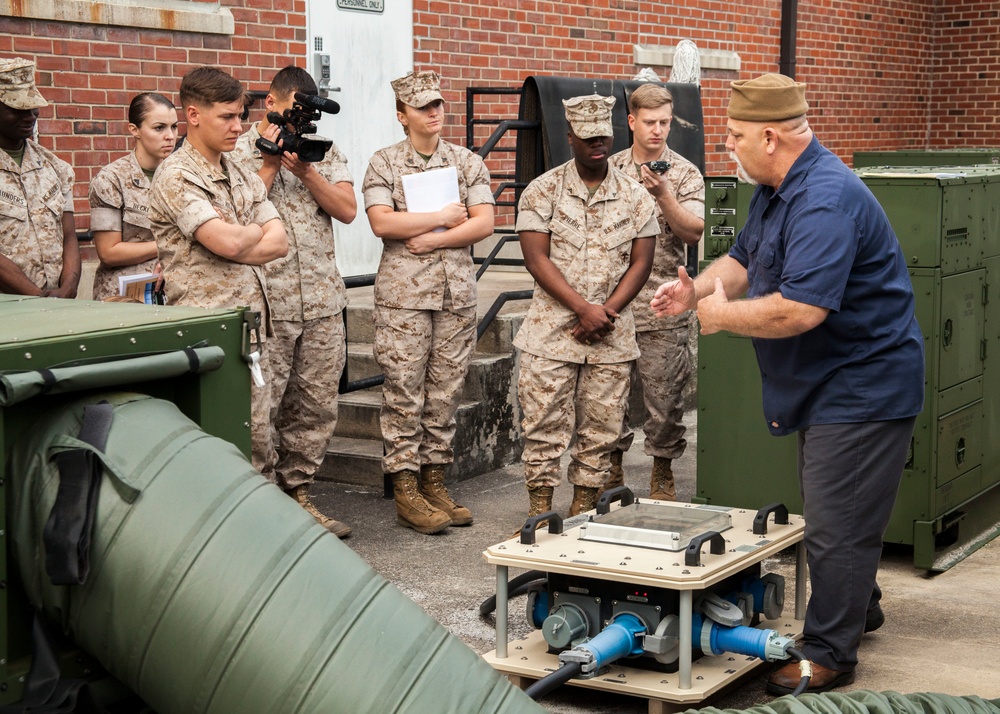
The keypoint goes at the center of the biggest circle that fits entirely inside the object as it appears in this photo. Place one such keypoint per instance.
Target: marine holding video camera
(298, 129)
(309, 183)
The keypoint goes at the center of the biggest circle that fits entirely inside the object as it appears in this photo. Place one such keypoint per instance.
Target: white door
(369, 43)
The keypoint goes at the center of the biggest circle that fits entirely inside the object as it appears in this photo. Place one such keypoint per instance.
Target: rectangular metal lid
(648, 525)
(25, 319)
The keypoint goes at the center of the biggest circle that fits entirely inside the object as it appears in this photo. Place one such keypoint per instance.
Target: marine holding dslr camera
(298, 129)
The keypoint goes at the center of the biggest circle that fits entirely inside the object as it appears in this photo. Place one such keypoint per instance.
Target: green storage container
(727, 201)
(927, 157)
(739, 462)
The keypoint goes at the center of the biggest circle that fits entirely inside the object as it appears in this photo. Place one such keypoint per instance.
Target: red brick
(904, 62)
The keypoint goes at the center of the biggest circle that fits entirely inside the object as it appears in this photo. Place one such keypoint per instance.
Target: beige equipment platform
(567, 553)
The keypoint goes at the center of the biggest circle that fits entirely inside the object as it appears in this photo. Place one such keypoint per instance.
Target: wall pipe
(789, 37)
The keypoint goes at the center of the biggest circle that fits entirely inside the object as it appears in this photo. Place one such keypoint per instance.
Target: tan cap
(590, 116)
(770, 97)
(17, 84)
(417, 89)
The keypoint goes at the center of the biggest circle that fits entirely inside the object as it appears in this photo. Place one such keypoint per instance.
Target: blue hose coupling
(717, 639)
(621, 638)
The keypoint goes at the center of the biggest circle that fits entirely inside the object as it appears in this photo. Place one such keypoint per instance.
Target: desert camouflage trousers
(560, 400)
(307, 359)
(425, 356)
(664, 367)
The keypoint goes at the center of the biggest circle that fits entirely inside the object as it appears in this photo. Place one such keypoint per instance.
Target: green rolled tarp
(15, 387)
(212, 591)
(867, 702)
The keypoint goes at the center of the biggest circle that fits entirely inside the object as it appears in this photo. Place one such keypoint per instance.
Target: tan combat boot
(617, 477)
(661, 482)
(433, 490)
(539, 501)
(412, 509)
(584, 499)
(301, 495)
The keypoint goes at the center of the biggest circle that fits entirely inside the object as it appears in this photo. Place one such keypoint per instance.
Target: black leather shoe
(785, 680)
(874, 618)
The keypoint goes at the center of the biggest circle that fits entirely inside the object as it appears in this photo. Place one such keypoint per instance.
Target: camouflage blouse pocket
(617, 241)
(11, 214)
(135, 220)
(566, 236)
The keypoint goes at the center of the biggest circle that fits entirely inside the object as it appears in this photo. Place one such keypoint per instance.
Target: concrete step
(487, 435)
(357, 415)
(353, 461)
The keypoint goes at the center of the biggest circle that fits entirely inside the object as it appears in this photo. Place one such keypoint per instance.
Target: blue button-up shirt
(823, 239)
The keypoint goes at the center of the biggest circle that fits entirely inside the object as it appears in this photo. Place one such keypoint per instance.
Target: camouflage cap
(17, 84)
(417, 89)
(590, 116)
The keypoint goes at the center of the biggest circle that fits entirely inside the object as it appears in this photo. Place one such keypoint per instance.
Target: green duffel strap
(67, 531)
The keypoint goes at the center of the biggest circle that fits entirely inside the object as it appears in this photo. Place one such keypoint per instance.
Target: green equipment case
(927, 157)
(52, 350)
(739, 462)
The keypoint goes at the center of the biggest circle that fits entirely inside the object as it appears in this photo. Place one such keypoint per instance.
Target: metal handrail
(492, 259)
(470, 110)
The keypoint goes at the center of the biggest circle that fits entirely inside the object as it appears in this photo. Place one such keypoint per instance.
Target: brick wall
(965, 93)
(89, 73)
(881, 73)
(868, 64)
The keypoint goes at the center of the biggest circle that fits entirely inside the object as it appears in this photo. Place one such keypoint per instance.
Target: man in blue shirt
(830, 309)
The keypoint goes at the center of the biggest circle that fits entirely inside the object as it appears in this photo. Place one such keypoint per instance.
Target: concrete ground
(942, 632)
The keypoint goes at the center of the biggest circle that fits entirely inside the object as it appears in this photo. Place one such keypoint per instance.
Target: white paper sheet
(430, 191)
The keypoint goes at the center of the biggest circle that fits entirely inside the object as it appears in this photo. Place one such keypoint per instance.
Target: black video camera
(298, 130)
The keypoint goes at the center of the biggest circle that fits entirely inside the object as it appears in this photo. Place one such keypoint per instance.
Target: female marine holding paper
(425, 302)
(119, 195)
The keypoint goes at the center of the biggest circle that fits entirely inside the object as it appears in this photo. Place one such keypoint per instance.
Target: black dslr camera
(298, 132)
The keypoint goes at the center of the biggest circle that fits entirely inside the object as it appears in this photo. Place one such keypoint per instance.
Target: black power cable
(550, 681)
(803, 684)
(517, 586)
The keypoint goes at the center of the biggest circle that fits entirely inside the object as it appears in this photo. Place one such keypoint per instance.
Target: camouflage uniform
(425, 313)
(307, 298)
(119, 201)
(187, 192)
(33, 198)
(665, 361)
(566, 387)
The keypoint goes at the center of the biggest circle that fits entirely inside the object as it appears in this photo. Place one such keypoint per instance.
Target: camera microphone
(314, 101)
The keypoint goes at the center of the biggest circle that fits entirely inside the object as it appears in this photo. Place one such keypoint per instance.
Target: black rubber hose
(517, 586)
(550, 681)
(798, 656)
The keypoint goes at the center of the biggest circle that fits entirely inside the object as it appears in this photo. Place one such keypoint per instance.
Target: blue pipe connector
(716, 639)
(621, 638)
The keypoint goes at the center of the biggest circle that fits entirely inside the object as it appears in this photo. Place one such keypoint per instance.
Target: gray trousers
(849, 475)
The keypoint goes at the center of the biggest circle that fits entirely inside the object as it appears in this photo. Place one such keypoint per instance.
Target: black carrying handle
(760, 520)
(619, 493)
(531, 525)
(67, 531)
(692, 556)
